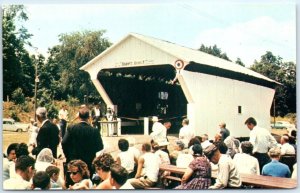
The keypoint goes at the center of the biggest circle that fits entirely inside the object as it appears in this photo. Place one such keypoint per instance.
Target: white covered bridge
(135, 76)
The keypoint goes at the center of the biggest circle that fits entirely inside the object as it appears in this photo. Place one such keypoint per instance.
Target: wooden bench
(247, 179)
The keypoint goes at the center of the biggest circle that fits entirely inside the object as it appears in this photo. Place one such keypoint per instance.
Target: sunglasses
(74, 173)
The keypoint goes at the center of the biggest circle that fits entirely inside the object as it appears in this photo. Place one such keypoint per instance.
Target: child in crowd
(41, 180)
(53, 173)
(126, 158)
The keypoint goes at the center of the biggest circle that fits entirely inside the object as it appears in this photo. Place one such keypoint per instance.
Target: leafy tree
(284, 73)
(214, 51)
(17, 66)
(239, 61)
(18, 96)
(61, 71)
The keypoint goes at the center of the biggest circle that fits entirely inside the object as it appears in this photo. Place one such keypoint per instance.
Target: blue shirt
(276, 169)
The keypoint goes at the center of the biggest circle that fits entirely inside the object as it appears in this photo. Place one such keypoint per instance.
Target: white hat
(154, 118)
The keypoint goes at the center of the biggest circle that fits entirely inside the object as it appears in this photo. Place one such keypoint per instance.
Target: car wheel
(19, 130)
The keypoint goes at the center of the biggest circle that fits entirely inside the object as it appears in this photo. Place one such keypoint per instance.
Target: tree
(239, 62)
(214, 51)
(61, 71)
(17, 66)
(284, 73)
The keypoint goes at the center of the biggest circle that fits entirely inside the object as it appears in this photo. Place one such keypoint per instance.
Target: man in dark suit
(82, 141)
(48, 135)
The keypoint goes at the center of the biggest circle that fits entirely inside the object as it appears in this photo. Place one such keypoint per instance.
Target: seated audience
(44, 159)
(275, 168)
(118, 177)
(192, 142)
(205, 141)
(148, 168)
(102, 165)
(286, 148)
(162, 155)
(9, 160)
(244, 162)
(232, 145)
(198, 174)
(80, 175)
(24, 168)
(41, 181)
(178, 148)
(228, 175)
(53, 173)
(126, 158)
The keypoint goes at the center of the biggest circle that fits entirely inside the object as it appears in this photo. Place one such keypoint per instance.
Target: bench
(247, 179)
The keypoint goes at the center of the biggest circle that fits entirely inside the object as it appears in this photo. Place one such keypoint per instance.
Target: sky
(244, 30)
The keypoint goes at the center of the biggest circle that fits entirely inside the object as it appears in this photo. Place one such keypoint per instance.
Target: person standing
(186, 133)
(48, 135)
(82, 141)
(261, 140)
(96, 115)
(63, 117)
(224, 131)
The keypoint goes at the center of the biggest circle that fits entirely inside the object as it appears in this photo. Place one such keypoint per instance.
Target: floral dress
(201, 177)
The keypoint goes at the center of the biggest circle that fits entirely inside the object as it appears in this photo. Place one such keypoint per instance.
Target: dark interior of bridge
(145, 91)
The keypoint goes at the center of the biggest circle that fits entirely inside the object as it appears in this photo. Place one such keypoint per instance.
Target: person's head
(31, 120)
(294, 133)
(45, 156)
(218, 137)
(204, 137)
(155, 119)
(197, 150)
(193, 141)
(97, 105)
(222, 125)
(22, 149)
(155, 146)
(284, 139)
(84, 113)
(185, 122)
(146, 147)
(25, 167)
(274, 153)
(78, 170)
(53, 172)
(55, 121)
(221, 146)
(212, 153)
(41, 180)
(179, 145)
(199, 138)
(118, 175)
(247, 147)
(167, 124)
(123, 144)
(102, 164)
(64, 106)
(41, 114)
(11, 151)
(251, 123)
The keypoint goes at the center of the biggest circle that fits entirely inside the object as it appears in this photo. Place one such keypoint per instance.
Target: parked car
(11, 125)
(282, 125)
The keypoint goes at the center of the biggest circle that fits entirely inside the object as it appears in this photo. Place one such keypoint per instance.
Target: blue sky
(245, 30)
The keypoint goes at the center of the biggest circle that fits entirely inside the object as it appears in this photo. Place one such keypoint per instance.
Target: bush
(18, 96)
(14, 115)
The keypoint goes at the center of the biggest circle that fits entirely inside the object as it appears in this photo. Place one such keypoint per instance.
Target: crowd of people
(88, 166)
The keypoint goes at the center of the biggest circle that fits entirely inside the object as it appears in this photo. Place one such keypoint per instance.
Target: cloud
(251, 39)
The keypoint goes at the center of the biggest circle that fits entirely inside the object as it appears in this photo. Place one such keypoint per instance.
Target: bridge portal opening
(143, 92)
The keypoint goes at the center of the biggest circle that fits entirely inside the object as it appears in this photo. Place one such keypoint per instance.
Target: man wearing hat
(228, 175)
(48, 135)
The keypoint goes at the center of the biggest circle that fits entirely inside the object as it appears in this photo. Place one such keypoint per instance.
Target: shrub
(18, 96)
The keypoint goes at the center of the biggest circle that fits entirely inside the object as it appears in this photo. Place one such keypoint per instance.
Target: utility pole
(274, 111)
(36, 80)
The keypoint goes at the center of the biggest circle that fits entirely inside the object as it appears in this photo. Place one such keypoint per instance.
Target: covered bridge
(142, 76)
